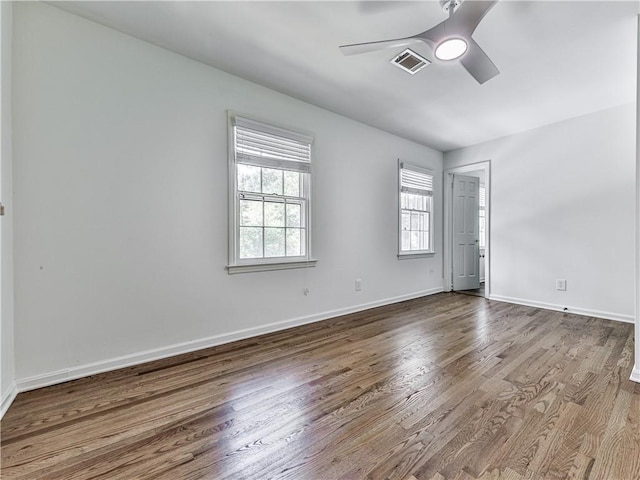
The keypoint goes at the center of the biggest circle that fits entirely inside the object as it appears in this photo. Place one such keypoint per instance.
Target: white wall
(7, 365)
(120, 166)
(562, 207)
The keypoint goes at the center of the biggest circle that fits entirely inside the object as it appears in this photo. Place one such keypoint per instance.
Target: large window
(270, 179)
(416, 207)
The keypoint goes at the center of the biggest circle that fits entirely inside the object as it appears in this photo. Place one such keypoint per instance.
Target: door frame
(448, 222)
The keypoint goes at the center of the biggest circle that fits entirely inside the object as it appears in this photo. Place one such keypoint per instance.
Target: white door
(466, 251)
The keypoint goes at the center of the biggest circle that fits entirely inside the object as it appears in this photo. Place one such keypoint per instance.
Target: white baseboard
(561, 308)
(635, 373)
(7, 399)
(59, 376)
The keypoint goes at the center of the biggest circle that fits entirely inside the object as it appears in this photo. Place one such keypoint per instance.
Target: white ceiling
(557, 59)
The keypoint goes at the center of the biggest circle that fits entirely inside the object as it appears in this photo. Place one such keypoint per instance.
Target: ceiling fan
(449, 40)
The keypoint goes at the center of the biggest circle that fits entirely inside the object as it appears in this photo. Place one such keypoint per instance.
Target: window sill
(265, 267)
(408, 256)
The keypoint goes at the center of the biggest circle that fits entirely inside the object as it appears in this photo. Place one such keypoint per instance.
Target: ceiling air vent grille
(410, 61)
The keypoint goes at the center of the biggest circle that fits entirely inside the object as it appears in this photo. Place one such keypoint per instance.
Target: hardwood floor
(444, 387)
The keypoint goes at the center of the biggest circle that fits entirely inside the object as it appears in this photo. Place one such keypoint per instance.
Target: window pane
(272, 181)
(250, 242)
(274, 242)
(406, 241)
(293, 242)
(248, 178)
(415, 240)
(424, 221)
(250, 213)
(411, 201)
(406, 220)
(424, 241)
(415, 221)
(273, 214)
(422, 202)
(293, 214)
(292, 184)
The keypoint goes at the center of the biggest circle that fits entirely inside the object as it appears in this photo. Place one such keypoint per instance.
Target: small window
(270, 177)
(482, 223)
(416, 210)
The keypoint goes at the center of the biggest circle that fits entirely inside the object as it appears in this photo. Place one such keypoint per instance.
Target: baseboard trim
(60, 376)
(619, 317)
(8, 398)
(635, 373)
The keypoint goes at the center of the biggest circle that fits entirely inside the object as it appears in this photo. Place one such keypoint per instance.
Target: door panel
(459, 219)
(466, 252)
(469, 219)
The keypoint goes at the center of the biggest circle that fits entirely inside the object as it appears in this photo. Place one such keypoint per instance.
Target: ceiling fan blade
(466, 19)
(478, 63)
(435, 34)
(373, 46)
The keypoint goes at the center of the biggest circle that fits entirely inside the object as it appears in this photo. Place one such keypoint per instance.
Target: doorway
(467, 263)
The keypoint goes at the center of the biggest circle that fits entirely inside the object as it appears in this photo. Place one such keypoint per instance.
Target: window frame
(405, 254)
(240, 265)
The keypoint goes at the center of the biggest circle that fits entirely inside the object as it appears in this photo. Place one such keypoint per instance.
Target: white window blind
(414, 181)
(263, 145)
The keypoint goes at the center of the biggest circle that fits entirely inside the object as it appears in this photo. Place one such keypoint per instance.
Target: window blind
(267, 146)
(413, 180)
(483, 197)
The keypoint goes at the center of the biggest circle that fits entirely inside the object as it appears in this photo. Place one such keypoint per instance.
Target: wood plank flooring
(446, 387)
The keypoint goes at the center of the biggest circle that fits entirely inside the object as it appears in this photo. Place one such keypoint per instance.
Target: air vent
(410, 61)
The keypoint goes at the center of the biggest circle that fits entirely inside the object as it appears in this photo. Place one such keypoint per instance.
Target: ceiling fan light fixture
(451, 48)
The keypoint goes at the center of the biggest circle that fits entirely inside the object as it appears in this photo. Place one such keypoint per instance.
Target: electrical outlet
(561, 284)
(358, 284)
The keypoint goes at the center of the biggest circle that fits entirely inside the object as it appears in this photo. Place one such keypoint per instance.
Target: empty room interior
(319, 240)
